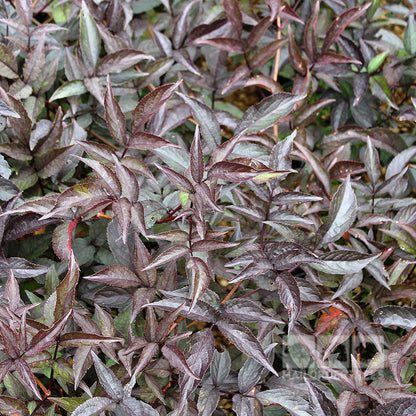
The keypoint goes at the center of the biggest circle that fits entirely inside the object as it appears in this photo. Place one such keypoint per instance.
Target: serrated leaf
(267, 112)
(177, 359)
(35, 61)
(319, 402)
(341, 214)
(21, 268)
(171, 254)
(177, 179)
(116, 275)
(147, 141)
(398, 407)
(120, 60)
(90, 41)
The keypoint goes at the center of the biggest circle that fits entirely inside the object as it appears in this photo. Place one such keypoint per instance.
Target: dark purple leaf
(360, 85)
(150, 104)
(83, 339)
(129, 183)
(223, 43)
(340, 23)
(22, 268)
(233, 172)
(171, 254)
(90, 41)
(267, 112)
(132, 407)
(27, 376)
(209, 245)
(398, 407)
(309, 35)
(199, 359)
(197, 164)
(177, 359)
(400, 161)
(122, 214)
(256, 214)
(200, 278)
(116, 275)
(401, 316)
(98, 151)
(286, 398)
(288, 13)
(341, 214)
(181, 25)
(345, 168)
(340, 334)
(289, 296)
(50, 163)
(107, 379)
(176, 179)
(243, 405)
(10, 341)
(257, 268)
(245, 310)
(120, 60)
(114, 116)
(147, 141)
(295, 56)
(244, 340)
(94, 406)
(35, 61)
(233, 12)
(142, 259)
(319, 402)
(208, 123)
(46, 338)
(256, 34)
(335, 58)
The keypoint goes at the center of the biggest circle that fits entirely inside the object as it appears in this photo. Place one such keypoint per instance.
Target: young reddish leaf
(171, 254)
(289, 296)
(114, 116)
(120, 61)
(116, 275)
(147, 141)
(208, 123)
(177, 359)
(46, 338)
(150, 104)
(244, 340)
(176, 179)
(341, 214)
(233, 12)
(225, 44)
(340, 23)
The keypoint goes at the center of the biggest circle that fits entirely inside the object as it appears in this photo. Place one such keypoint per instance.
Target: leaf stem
(231, 292)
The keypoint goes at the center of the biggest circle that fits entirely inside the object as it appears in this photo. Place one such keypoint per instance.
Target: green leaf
(409, 38)
(69, 89)
(89, 37)
(67, 403)
(376, 62)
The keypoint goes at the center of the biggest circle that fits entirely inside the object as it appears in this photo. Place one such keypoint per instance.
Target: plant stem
(276, 67)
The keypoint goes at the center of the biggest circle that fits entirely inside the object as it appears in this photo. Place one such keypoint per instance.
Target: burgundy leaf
(398, 407)
(346, 402)
(289, 296)
(120, 60)
(233, 12)
(83, 339)
(114, 116)
(246, 310)
(150, 104)
(208, 245)
(287, 398)
(257, 33)
(197, 164)
(146, 356)
(345, 168)
(176, 179)
(116, 275)
(341, 333)
(129, 183)
(142, 259)
(200, 279)
(35, 61)
(94, 406)
(205, 30)
(27, 376)
(147, 141)
(257, 268)
(309, 35)
(181, 25)
(320, 404)
(171, 254)
(401, 316)
(177, 359)
(223, 43)
(98, 151)
(295, 56)
(46, 338)
(335, 58)
(245, 341)
(122, 213)
(340, 23)
(10, 341)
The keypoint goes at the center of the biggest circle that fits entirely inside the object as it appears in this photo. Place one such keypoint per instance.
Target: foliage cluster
(207, 205)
